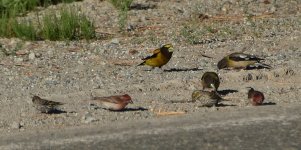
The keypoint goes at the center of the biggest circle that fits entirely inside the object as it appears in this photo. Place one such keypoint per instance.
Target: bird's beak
(170, 49)
(131, 102)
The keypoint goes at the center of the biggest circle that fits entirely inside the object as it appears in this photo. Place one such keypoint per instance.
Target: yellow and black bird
(210, 80)
(160, 56)
(206, 98)
(241, 61)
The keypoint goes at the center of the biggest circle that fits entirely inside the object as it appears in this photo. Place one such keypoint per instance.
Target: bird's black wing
(52, 103)
(243, 57)
(148, 57)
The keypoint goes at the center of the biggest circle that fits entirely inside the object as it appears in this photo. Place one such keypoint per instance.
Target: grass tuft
(65, 25)
(123, 7)
(68, 26)
(24, 30)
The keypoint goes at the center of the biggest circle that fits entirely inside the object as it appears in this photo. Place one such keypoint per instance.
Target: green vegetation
(123, 7)
(24, 30)
(16, 7)
(19, 7)
(67, 25)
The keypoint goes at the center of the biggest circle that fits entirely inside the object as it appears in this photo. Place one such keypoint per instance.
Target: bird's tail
(258, 66)
(265, 66)
(143, 63)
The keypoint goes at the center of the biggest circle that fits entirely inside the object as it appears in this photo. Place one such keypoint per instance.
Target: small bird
(256, 97)
(206, 98)
(160, 56)
(241, 61)
(45, 106)
(210, 80)
(116, 103)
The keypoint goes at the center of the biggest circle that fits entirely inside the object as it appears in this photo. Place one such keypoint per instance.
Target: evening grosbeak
(210, 80)
(160, 56)
(241, 61)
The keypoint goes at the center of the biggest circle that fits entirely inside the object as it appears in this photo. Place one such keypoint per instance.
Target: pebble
(31, 56)
(18, 59)
(115, 41)
(88, 118)
(15, 125)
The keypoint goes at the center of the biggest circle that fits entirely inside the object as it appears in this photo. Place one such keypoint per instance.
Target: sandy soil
(71, 72)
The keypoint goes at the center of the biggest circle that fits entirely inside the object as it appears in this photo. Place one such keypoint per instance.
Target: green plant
(50, 29)
(5, 28)
(190, 33)
(87, 28)
(123, 7)
(69, 26)
(121, 4)
(16, 7)
(24, 30)
(66, 25)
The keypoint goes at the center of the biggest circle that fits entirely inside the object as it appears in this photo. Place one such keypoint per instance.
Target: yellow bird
(210, 80)
(160, 56)
(241, 61)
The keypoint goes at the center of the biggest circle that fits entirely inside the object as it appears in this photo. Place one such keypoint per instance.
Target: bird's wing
(243, 57)
(111, 99)
(50, 103)
(156, 51)
(153, 56)
(258, 66)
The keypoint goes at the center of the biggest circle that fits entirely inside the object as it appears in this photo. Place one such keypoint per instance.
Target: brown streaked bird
(210, 80)
(241, 61)
(116, 102)
(206, 98)
(256, 97)
(45, 106)
(160, 56)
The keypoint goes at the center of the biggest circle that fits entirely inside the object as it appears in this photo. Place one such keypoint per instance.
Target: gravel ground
(71, 72)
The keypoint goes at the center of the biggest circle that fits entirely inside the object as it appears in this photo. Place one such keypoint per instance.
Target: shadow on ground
(56, 111)
(226, 92)
(182, 69)
(129, 109)
(268, 103)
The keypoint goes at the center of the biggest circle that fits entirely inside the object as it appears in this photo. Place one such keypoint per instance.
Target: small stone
(50, 53)
(15, 125)
(38, 55)
(21, 52)
(18, 59)
(88, 118)
(115, 41)
(92, 107)
(31, 56)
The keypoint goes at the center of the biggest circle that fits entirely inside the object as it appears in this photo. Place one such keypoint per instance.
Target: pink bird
(116, 102)
(256, 97)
